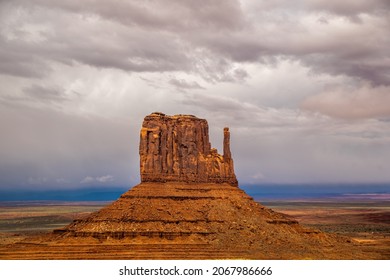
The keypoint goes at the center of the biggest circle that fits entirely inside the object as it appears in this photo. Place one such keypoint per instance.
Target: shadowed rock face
(177, 148)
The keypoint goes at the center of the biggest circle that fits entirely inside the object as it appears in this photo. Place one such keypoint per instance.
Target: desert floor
(365, 221)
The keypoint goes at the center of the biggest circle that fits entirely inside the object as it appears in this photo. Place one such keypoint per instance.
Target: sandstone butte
(187, 206)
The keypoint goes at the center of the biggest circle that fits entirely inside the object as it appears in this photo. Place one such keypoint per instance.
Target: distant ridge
(257, 191)
(86, 194)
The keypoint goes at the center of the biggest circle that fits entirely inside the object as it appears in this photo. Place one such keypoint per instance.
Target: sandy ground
(366, 222)
(22, 220)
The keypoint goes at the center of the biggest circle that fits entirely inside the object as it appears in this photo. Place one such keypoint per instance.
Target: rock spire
(177, 149)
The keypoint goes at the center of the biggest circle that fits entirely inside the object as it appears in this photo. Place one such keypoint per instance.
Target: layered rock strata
(188, 196)
(209, 214)
(177, 149)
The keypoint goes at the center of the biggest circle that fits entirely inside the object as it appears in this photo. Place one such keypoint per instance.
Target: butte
(187, 206)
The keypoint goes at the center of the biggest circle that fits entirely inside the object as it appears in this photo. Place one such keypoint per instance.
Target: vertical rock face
(177, 148)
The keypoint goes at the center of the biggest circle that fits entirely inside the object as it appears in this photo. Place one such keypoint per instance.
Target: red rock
(177, 149)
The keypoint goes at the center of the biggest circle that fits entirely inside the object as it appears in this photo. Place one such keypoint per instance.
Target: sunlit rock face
(177, 149)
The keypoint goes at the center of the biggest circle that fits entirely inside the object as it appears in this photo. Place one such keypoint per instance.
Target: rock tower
(177, 149)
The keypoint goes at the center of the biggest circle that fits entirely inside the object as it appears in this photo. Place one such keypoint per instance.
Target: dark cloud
(152, 38)
(177, 15)
(17, 60)
(45, 94)
(206, 39)
(337, 47)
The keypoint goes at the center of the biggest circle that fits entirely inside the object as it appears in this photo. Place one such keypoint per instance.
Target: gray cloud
(101, 179)
(182, 84)
(184, 36)
(363, 102)
(347, 8)
(45, 94)
(163, 14)
(39, 146)
(144, 39)
(302, 82)
(351, 8)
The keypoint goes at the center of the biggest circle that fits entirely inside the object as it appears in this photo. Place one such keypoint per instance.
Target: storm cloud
(304, 86)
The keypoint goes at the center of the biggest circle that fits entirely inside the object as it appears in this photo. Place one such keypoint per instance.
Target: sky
(303, 85)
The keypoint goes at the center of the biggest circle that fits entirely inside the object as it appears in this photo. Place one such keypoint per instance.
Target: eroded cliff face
(177, 149)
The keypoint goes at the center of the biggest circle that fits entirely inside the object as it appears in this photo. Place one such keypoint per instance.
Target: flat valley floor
(366, 222)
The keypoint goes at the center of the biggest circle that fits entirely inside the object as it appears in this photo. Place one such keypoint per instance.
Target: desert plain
(363, 220)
